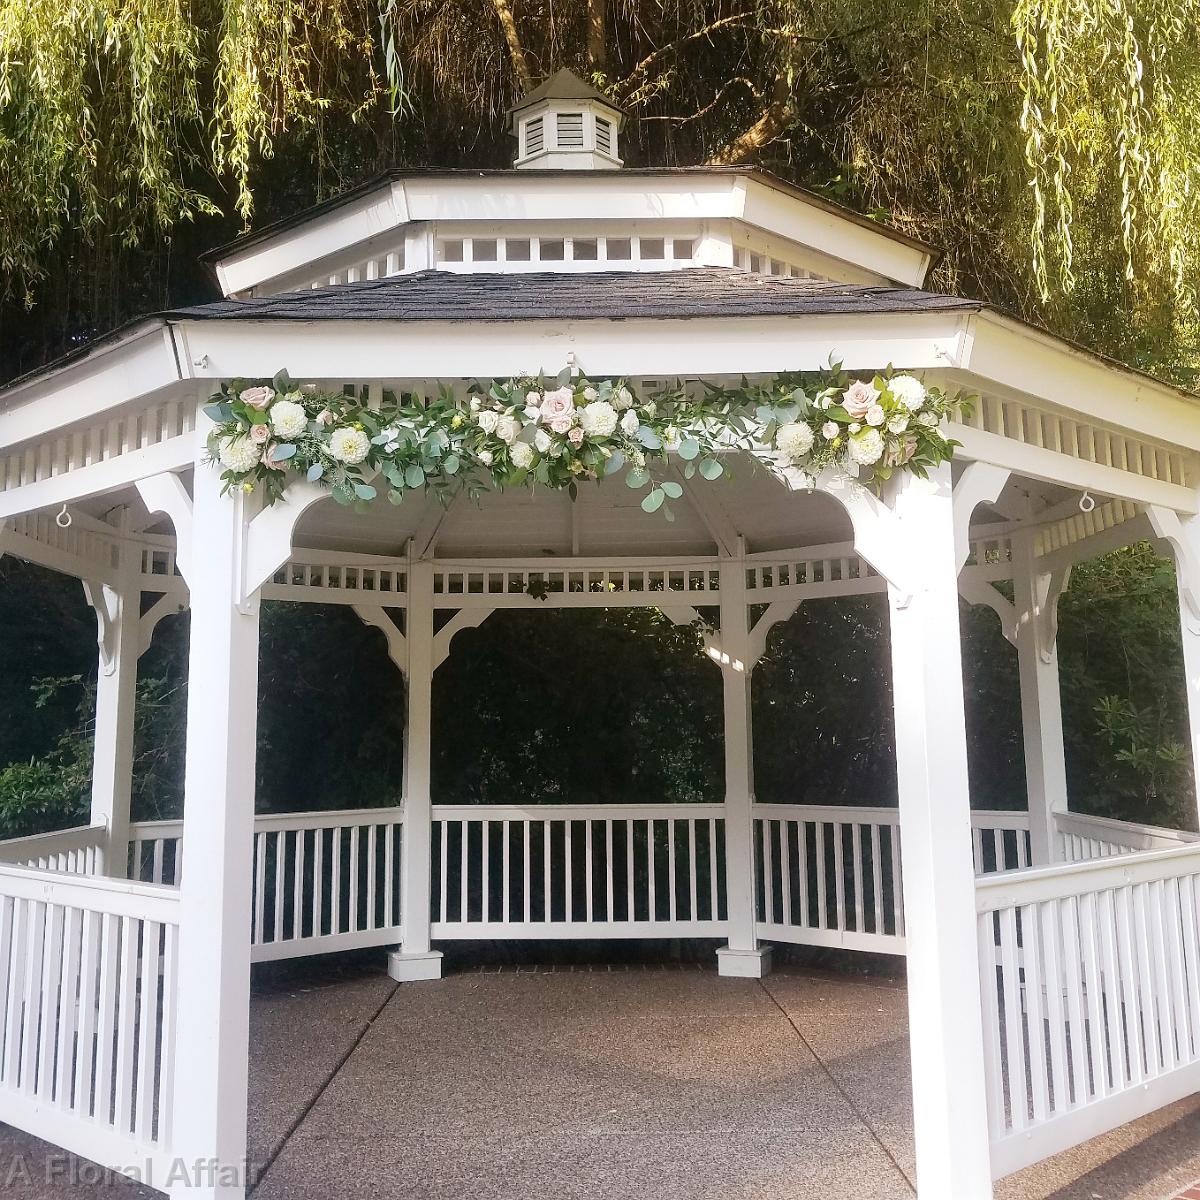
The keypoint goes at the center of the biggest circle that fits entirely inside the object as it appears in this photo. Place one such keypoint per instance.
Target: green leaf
(638, 477)
(711, 469)
(648, 438)
(283, 452)
(688, 449)
(364, 491)
(220, 413)
(653, 500)
(282, 382)
(673, 489)
(689, 471)
(615, 463)
(451, 463)
(315, 472)
(395, 497)
(414, 476)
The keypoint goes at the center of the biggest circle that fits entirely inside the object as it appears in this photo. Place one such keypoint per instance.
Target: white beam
(945, 1023)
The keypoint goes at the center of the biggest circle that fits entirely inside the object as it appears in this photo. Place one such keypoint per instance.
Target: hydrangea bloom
(288, 419)
(794, 441)
(349, 446)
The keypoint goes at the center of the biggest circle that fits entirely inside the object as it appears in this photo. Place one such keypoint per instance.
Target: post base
(744, 964)
(407, 968)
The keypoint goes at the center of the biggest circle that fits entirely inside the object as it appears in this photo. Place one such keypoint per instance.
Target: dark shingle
(450, 296)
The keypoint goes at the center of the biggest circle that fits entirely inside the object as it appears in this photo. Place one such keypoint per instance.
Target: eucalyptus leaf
(220, 413)
(414, 476)
(638, 477)
(673, 489)
(364, 491)
(283, 452)
(688, 449)
(395, 497)
(451, 463)
(648, 438)
(315, 472)
(711, 469)
(653, 500)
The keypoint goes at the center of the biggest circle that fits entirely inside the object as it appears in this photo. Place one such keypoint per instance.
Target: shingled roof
(450, 296)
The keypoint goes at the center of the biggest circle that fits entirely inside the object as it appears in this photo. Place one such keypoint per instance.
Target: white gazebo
(1053, 958)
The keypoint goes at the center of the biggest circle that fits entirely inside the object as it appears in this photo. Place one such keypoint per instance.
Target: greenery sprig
(529, 431)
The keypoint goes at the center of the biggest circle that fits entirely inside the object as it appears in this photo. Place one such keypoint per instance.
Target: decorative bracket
(975, 589)
(106, 601)
(165, 606)
(165, 493)
(1166, 524)
(776, 611)
(397, 644)
(465, 618)
(980, 483)
(1048, 588)
(269, 537)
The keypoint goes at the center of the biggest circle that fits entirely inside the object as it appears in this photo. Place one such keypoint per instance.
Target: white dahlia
(794, 440)
(349, 446)
(908, 391)
(288, 419)
(522, 456)
(239, 454)
(866, 447)
(598, 419)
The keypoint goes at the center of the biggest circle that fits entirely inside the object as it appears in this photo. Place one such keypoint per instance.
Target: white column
(1189, 634)
(415, 959)
(1041, 704)
(945, 1029)
(743, 956)
(212, 1042)
(118, 611)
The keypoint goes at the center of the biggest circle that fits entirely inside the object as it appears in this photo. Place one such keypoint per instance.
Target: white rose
(475, 404)
(650, 409)
(908, 391)
(522, 456)
(590, 394)
(507, 429)
(623, 399)
(487, 421)
(875, 416)
(830, 430)
(630, 423)
(927, 418)
(541, 441)
(238, 454)
(533, 413)
(671, 438)
(898, 423)
(598, 419)
(349, 446)
(866, 448)
(485, 457)
(533, 399)
(794, 440)
(855, 426)
(288, 419)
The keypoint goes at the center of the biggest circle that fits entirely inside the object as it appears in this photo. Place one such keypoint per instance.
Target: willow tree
(1047, 144)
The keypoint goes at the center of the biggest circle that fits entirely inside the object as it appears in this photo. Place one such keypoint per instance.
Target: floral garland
(528, 431)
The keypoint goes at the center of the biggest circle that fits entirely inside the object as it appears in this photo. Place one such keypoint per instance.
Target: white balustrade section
(1000, 840)
(156, 852)
(583, 871)
(87, 1001)
(73, 851)
(1090, 977)
(1082, 838)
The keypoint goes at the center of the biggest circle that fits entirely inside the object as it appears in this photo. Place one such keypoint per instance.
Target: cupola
(567, 124)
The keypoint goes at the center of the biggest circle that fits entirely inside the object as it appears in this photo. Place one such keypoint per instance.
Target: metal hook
(64, 518)
(1086, 502)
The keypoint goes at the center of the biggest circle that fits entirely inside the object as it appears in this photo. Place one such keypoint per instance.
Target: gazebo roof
(564, 84)
(443, 295)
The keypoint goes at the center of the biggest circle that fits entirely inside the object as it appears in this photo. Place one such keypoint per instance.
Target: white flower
(855, 426)
(487, 420)
(532, 413)
(598, 419)
(392, 444)
(671, 438)
(650, 409)
(533, 399)
(898, 423)
(830, 430)
(908, 391)
(623, 399)
(637, 458)
(288, 419)
(928, 419)
(630, 423)
(507, 429)
(794, 440)
(875, 415)
(590, 394)
(541, 440)
(238, 454)
(825, 402)
(866, 448)
(485, 457)
(348, 445)
(522, 456)
(476, 404)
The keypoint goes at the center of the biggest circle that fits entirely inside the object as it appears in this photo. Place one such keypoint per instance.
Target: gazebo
(1053, 960)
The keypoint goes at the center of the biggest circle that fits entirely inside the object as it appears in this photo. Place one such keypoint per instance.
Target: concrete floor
(658, 1083)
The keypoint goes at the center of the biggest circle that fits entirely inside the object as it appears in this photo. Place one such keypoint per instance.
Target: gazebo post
(743, 957)
(1185, 547)
(1041, 701)
(945, 1025)
(416, 959)
(118, 611)
(212, 1039)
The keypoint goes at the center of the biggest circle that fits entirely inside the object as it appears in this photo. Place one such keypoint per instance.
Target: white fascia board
(376, 212)
(794, 218)
(1023, 360)
(343, 350)
(113, 375)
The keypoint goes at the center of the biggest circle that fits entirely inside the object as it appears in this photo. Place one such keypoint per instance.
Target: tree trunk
(597, 52)
(516, 51)
(775, 119)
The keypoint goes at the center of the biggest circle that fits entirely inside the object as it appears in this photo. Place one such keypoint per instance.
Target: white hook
(63, 520)
(1086, 502)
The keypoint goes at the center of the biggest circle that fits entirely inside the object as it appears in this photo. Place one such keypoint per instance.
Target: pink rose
(268, 458)
(257, 397)
(858, 398)
(575, 437)
(325, 417)
(558, 409)
(259, 433)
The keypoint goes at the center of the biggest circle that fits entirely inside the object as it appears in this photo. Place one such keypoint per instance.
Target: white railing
(77, 851)
(87, 1002)
(1090, 977)
(1000, 840)
(603, 870)
(1082, 838)
(322, 881)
